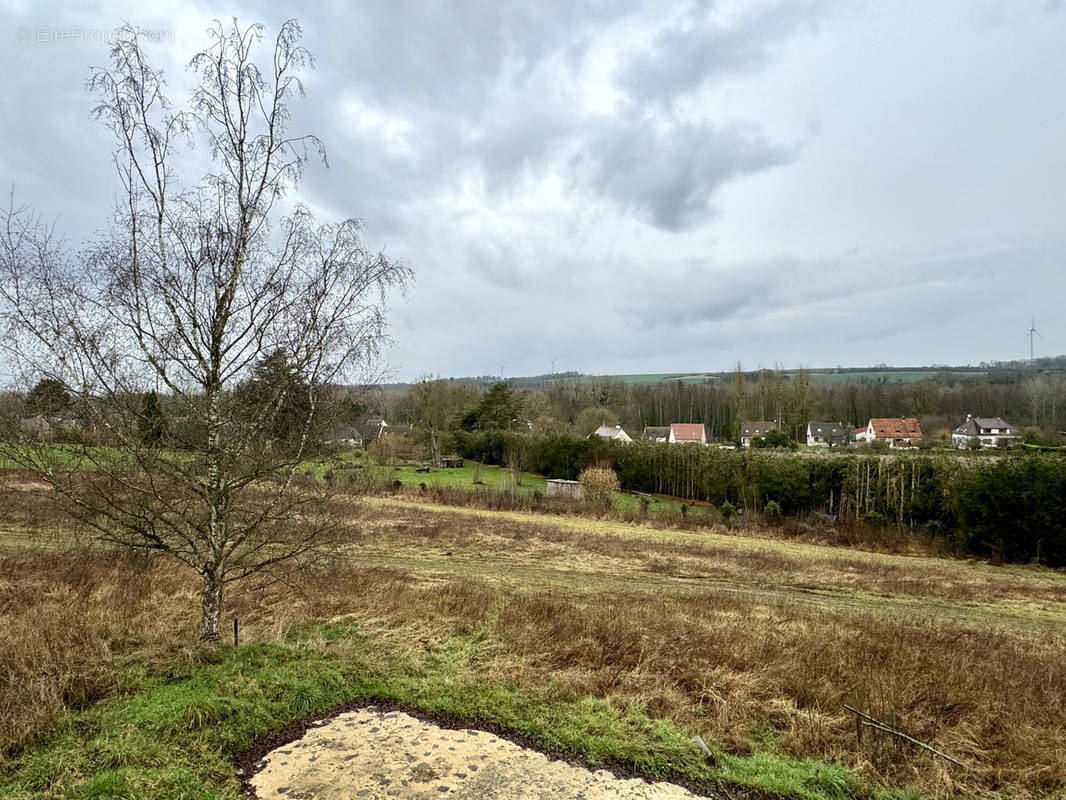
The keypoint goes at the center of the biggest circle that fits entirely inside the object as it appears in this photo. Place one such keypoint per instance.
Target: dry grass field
(756, 644)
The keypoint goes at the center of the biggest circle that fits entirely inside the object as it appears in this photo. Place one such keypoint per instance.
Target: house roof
(36, 424)
(896, 427)
(688, 432)
(825, 428)
(757, 428)
(372, 427)
(974, 425)
(350, 432)
(656, 432)
(609, 431)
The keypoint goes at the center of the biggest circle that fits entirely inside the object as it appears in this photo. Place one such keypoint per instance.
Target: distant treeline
(1023, 396)
(1011, 508)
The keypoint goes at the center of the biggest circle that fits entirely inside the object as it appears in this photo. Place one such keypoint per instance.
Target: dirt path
(382, 755)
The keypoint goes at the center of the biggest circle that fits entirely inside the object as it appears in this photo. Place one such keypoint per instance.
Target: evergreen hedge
(1011, 508)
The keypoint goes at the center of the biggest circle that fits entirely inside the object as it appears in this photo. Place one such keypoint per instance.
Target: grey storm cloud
(490, 92)
(701, 47)
(634, 186)
(668, 173)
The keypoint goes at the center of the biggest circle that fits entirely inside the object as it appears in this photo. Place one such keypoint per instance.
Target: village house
(655, 433)
(687, 432)
(37, 427)
(368, 431)
(898, 433)
(42, 427)
(612, 432)
(372, 429)
(349, 435)
(825, 434)
(986, 432)
(751, 429)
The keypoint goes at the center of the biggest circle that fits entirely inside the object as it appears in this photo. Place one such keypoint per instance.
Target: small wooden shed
(557, 487)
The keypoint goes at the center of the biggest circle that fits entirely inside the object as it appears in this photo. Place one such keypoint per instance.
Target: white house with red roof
(687, 432)
(897, 432)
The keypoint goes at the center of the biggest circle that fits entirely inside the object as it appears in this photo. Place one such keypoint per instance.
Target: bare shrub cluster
(599, 485)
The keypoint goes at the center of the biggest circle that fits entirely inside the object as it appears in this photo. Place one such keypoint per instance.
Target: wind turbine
(1032, 330)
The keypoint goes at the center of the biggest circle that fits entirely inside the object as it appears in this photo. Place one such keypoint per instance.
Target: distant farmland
(667, 377)
(889, 375)
(819, 375)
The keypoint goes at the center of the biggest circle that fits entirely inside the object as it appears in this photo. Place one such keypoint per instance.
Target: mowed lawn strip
(749, 558)
(484, 479)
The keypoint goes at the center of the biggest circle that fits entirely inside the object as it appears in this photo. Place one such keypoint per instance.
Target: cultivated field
(605, 641)
(820, 376)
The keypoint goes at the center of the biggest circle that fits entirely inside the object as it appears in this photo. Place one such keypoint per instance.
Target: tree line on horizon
(1033, 399)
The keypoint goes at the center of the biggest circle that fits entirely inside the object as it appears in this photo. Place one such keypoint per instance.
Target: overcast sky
(637, 186)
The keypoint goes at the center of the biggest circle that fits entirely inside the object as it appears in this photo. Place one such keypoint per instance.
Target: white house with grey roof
(750, 429)
(825, 434)
(988, 432)
(612, 432)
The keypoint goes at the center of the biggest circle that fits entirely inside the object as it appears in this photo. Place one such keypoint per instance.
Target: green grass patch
(176, 736)
(668, 377)
(474, 478)
(57, 456)
(463, 477)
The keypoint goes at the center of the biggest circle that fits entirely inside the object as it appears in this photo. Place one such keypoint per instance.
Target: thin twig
(878, 725)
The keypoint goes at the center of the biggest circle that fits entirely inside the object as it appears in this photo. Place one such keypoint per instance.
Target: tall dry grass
(751, 675)
(750, 672)
(69, 620)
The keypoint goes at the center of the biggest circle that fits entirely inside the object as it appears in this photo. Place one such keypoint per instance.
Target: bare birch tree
(196, 283)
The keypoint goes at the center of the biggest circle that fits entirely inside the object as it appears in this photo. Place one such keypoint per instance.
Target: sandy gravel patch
(381, 755)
